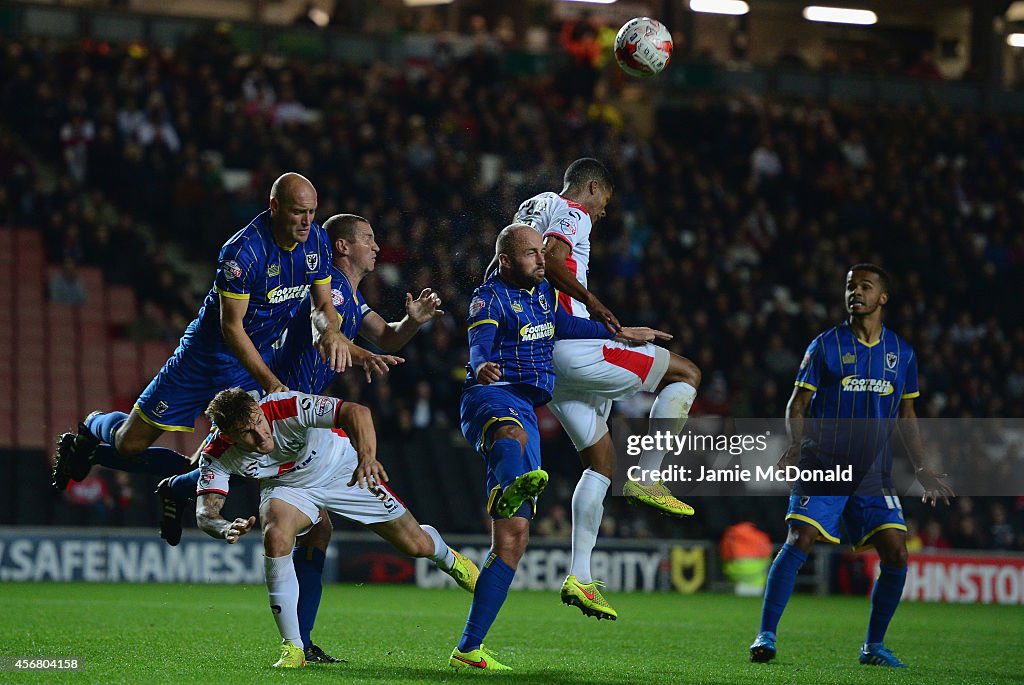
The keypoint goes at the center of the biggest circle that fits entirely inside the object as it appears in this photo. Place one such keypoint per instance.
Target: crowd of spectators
(733, 223)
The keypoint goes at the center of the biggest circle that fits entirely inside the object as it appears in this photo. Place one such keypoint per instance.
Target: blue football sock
(309, 568)
(103, 426)
(157, 461)
(183, 487)
(781, 580)
(885, 597)
(491, 591)
(507, 460)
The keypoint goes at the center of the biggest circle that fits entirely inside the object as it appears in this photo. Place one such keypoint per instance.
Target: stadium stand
(734, 218)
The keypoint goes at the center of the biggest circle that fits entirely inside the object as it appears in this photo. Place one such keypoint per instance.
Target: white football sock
(587, 512)
(443, 555)
(283, 588)
(673, 402)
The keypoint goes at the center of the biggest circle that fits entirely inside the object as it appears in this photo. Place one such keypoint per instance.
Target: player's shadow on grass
(524, 676)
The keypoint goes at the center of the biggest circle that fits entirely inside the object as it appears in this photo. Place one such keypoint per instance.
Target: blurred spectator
(764, 161)
(932, 537)
(789, 56)
(924, 68)
(65, 285)
(91, 498)
(914, 541)
(967, 534)
(1000, 531)
(555, 524)
(422, 411)
(76, 136)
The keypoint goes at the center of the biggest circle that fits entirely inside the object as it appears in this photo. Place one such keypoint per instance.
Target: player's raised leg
(415, 540)
(94, 444)
(676, 393)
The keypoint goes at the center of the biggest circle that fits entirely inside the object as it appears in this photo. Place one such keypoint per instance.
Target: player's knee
(600, 456)
(682, 370)
(129, 442)
(802, 537)
(134, 436)
(893, 556)
(510, 539)
(510, 431)
(277, 541)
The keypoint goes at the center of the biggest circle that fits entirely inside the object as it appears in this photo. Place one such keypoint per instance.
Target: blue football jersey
(297, 362)
(526, 324)
(857, 393)
(253, 267)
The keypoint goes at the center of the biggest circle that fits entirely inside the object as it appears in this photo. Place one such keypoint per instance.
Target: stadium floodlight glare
(733, 7)
(426, 3)
(1015, 40)
(840, 15)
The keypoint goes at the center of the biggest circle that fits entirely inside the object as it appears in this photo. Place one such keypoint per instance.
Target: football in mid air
(643, 47)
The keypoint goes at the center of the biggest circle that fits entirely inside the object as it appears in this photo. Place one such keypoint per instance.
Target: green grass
(225, 634)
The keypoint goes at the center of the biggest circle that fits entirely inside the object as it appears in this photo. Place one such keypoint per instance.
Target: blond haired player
(300, 449)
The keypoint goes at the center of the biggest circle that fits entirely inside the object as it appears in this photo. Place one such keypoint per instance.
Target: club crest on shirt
(312, 262)
(323, 406)
(231, 269)
(849, 358)
(543, 301)
(568, 226)
(160, 408)
(891, 360)
(337, 297)
(273, 270)
(476, 306)
(516, 307)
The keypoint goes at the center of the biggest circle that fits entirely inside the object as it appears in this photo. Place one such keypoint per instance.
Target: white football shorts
(590, 374)
(363, 505)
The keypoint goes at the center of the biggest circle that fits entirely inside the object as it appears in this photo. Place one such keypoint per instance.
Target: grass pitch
(401, 634)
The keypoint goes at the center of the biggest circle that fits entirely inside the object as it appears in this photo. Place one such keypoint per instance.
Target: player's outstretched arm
(210, 521)
(393, 336)
(641, 334)
(934, 487)
(555, 253)
(232, 313)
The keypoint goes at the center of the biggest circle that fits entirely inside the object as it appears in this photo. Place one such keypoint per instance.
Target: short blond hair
(231, 409)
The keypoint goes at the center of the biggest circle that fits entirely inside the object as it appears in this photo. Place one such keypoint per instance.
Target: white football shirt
(308, 448)
(552, 215)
